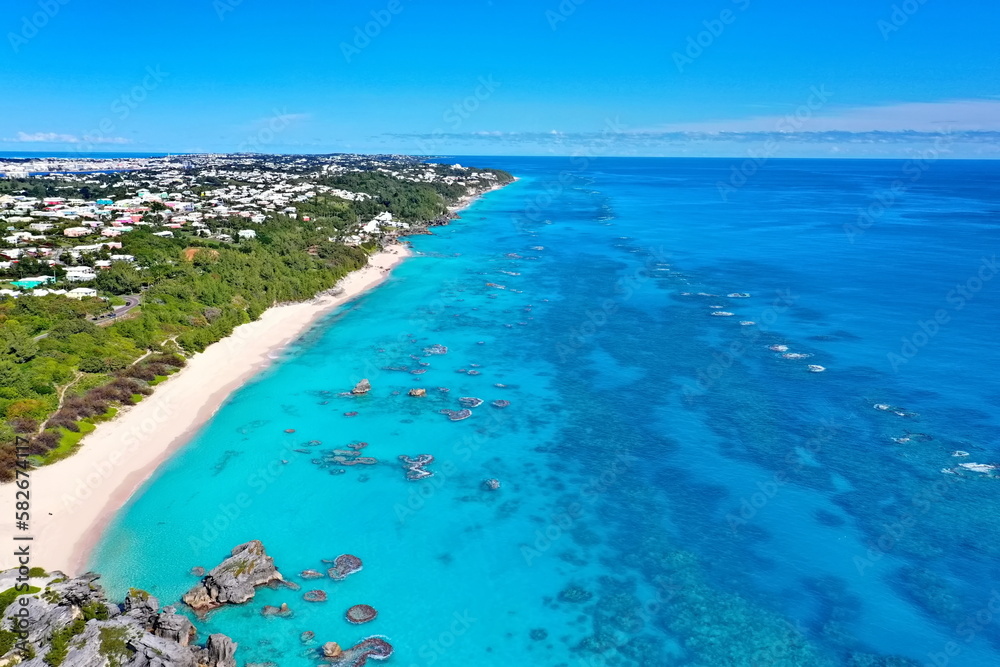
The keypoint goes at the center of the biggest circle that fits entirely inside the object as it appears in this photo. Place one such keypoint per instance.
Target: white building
(82, 293)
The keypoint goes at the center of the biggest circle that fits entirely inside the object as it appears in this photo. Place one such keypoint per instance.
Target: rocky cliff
(70, 623)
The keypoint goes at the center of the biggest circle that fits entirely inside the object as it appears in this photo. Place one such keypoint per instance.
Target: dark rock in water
(575, 594)
(344, 566)
(198, 571)
(457, 415)
(500, 404)
(307, 636)
(491, 484)
(436, 349)
(311, 574)
(350, 414)
(361, 613)
(539, 634)
(315, 596)
(470, 402)
(362, 388)
(374, 648)
(415, 467)
(235, 579)
(271, 610)
(473, 372)
(418, 392)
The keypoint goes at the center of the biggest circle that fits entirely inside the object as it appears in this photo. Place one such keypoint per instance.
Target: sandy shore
(74, 500)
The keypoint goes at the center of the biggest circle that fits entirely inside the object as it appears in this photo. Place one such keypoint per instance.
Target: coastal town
(115, 272)
(65, 219)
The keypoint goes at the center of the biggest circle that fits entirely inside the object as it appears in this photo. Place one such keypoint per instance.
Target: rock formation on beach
(70, 622)
(235, 579)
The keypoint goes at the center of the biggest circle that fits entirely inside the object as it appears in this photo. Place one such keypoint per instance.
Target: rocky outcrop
(174, 627)
(221, 651)
(234, 581)
(96, 633)
(362, 388)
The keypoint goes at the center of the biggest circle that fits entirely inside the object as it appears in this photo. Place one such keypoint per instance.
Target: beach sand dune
(74, 500)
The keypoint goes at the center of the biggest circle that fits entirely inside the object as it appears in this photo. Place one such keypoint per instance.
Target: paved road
(131, 301)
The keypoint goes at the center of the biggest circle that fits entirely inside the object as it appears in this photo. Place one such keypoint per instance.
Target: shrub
(24, 425)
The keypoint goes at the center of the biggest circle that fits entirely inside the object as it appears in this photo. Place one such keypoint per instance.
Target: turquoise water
(673, 491)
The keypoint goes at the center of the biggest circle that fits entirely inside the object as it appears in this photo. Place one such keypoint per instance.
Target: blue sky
(786, 78)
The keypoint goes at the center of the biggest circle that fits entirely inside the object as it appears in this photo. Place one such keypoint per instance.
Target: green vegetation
(59, 644)
(60, 373)
(114, 645)
(7, 641)
(11, 594)
(95, 610)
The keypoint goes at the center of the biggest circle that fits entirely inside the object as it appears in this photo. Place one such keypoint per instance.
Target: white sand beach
(73, 500)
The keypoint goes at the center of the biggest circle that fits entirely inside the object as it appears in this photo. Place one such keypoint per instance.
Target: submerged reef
(344, 566)
(374, 648)
(361, 613)
(416, 468)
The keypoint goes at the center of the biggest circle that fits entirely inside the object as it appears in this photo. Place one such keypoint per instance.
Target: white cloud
(949, 116)
(58, 138)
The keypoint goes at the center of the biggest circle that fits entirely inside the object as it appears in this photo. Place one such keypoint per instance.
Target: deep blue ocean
(673, 490)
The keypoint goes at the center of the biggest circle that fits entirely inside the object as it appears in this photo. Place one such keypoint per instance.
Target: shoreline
(74, 500)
